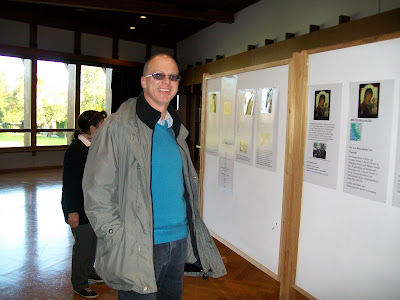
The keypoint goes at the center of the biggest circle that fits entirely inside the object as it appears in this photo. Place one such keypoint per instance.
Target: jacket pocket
(114, 237)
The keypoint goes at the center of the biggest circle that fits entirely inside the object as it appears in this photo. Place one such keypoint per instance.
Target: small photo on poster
(368, 102)
(248, 103)
(213, 103)
(266, 102)
(355, 131)
(322, 105)
(319, 150)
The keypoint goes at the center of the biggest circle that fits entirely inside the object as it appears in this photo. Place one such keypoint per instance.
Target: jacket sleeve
(100, 183)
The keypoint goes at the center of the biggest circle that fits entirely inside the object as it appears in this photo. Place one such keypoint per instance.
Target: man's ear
(143, 82)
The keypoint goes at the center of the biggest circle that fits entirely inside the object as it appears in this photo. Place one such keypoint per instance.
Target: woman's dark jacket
(72, 193)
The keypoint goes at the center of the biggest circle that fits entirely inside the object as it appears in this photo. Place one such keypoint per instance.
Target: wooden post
(293, 178)
(77, 42)
(202, 141)
(115, 48)
(33, 36)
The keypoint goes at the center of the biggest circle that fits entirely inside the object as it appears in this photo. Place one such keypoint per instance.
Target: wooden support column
(293, 177)
(33, 103)
(77, 42)
(148, 51)
(77, 91)
(33, 36)
(115, 49)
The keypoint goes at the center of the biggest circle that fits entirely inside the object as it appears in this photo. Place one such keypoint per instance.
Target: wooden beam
(33, 36)
(145, 7)
(115, 50)
(77, 42)
(293, 175)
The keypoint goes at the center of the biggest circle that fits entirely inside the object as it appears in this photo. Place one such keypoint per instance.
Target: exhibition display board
(243, 162)
(300, 168)
(349, 240)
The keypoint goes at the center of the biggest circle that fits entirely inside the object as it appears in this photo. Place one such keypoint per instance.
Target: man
(141, 195)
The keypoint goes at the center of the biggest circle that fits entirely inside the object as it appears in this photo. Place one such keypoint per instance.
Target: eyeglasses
(161, 76)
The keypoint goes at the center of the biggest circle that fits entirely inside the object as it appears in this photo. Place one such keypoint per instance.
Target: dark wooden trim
(344, 19)
(77, 42)
(115, 49)
(147, 7)
(33, 36)
(314, 28)
(31, 53)
(30, 169)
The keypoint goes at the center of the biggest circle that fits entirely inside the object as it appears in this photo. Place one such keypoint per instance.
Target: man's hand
(73, 219)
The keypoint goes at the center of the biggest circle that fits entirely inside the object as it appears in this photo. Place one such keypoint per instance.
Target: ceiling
(167, 21)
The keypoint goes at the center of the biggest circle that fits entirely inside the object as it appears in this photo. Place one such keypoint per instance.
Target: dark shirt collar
(150, 116)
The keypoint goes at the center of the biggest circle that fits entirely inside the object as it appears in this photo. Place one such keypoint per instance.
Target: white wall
(14, 33)
(61, 40)
(271, 19)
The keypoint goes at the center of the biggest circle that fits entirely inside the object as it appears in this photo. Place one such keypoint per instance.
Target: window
(14, 102)
(52, 103)
(53, 109)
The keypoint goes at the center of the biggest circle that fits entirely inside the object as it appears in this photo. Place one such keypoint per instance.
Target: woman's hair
(87, 119)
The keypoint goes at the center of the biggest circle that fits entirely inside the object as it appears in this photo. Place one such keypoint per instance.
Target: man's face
(159, 93)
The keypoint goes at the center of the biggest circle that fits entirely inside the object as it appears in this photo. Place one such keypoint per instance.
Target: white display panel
(249, 218)
(349, 243)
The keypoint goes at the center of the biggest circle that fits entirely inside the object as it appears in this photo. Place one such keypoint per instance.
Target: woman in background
(84, 249)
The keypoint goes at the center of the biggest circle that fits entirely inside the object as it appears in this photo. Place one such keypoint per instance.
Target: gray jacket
(118, 202)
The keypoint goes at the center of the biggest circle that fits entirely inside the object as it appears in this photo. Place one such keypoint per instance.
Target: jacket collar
(150, 116)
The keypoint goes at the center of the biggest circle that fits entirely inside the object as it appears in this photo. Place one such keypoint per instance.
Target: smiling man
(141, 195)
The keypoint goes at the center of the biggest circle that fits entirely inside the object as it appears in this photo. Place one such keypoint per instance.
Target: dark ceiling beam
(82, 26)
(144, 7)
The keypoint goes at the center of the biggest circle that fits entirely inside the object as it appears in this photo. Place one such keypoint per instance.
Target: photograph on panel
(355, 131)
(319, 150)
(322, 105)
(248, 103)
(368, 102)
(266, 102)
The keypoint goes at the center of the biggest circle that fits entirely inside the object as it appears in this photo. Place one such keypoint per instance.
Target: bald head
(156, 57)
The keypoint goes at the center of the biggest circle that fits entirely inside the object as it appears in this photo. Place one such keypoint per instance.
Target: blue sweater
(167, 187)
